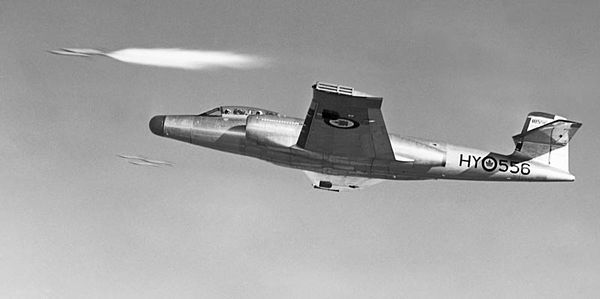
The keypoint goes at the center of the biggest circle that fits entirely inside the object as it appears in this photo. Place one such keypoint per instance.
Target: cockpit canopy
(237, 111)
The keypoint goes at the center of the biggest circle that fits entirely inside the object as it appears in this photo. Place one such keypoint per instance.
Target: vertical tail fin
(545, 138)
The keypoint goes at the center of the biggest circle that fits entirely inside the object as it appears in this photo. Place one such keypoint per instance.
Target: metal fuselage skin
(273, 139)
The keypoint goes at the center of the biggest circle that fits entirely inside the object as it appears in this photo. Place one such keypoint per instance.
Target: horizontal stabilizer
(551, 135)
(545, 139)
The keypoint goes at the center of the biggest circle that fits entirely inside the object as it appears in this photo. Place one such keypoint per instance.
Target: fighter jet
(77, 52)
(343, 143)
(143, 161)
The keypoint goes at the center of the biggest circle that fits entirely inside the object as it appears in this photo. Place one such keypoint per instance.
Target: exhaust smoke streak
(187, 59)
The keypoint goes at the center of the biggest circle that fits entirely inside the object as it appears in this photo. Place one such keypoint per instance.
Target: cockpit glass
(216, 112)
(232, 111)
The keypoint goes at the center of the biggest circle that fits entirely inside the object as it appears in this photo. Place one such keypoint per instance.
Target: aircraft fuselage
(273, 138)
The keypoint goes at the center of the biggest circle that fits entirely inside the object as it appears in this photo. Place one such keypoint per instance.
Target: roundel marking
(489, 163)
(342, 123)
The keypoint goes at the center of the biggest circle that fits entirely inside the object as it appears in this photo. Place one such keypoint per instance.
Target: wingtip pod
(339, 183)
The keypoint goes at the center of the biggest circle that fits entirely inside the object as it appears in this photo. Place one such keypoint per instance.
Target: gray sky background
(77, 222)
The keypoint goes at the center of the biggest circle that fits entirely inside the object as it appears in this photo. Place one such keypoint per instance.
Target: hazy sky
(78, 222)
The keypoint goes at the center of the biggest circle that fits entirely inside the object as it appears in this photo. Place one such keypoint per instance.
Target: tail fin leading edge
(545, 138)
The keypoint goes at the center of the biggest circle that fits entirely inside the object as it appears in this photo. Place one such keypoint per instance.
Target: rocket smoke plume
(187, 59)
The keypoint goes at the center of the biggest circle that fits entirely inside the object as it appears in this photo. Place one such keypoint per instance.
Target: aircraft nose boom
(157, 125)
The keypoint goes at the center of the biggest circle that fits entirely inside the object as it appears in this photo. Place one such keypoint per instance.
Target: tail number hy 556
(489, 164)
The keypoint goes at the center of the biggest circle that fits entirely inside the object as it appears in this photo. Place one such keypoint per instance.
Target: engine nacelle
(273, 131)
(418, 151)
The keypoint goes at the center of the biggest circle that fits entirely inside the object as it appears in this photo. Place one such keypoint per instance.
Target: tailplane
(545, 139)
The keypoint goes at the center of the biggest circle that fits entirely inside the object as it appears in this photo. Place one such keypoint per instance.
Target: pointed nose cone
(157, 125)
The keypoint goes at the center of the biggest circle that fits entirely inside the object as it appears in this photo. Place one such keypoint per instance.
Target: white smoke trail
(187, 59)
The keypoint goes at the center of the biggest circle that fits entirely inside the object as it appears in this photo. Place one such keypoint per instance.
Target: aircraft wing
(345, 122)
